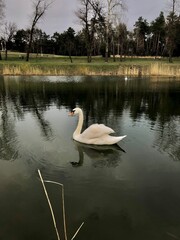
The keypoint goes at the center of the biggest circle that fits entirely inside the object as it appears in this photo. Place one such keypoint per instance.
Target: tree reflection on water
(102, 99)
(8, 141)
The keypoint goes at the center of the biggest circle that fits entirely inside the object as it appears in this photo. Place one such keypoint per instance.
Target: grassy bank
(53, 65)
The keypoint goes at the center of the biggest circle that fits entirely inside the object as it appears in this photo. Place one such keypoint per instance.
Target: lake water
(129, 193)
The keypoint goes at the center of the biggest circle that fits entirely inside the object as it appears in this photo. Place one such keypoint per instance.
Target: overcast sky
(61, 15)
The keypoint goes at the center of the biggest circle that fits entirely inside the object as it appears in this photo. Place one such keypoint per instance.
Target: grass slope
(61, 65)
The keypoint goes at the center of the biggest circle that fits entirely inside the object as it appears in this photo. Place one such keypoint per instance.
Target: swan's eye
(72, 112)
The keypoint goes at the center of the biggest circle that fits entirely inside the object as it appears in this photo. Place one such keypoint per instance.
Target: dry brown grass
(153, 69)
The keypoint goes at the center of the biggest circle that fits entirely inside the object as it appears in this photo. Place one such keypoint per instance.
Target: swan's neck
(79, 125)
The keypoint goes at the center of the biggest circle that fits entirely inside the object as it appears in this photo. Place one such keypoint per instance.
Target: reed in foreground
(63, 208)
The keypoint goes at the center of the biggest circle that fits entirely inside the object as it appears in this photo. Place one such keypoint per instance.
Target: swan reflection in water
(102, 156)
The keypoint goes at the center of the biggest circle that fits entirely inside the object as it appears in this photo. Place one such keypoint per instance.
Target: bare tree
(122, 38)
(39, 9)
(173, 6)
(2, 6)
(90, 15)
(114, 8)
(172, 27)
(119, 29)
(8, 33)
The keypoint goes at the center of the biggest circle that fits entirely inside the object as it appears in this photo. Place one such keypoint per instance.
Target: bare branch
(39, 9)
(9, 31)
(2, 6)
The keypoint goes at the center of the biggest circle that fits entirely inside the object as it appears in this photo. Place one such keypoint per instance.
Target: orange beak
(71, 114)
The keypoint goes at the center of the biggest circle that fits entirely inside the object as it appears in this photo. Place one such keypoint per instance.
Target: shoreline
(145, 69)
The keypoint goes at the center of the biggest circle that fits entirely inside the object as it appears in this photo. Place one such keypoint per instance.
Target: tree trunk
(6, 54)
(89, 59)
(121, 52)
(29, 45)
(107, 32)
(106, 54)
(89, 50)
(5, 49)
(107, 45)
(157, 47)
(114, 57)
(70, 56)
(170, 57)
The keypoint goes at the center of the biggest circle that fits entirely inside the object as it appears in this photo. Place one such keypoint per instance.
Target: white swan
(97, 134)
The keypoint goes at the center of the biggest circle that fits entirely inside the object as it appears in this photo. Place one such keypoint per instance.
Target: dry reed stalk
(7, 70)
(159, 69)
(50, 206)
(77, 231)
(64, 215)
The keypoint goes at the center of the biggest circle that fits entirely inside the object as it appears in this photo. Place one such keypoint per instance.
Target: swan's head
(75, 111)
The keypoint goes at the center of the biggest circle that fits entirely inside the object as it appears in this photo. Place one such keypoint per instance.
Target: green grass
(61, 65)
(48, 59)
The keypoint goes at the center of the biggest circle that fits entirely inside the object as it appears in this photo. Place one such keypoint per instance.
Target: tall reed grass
(153, 69)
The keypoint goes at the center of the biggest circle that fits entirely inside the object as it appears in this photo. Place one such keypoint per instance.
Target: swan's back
(96, 131)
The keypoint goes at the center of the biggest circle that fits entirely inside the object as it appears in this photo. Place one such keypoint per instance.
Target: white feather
(97, 134)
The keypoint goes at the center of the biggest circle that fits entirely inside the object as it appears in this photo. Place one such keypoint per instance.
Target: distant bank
(155, 69)
(55, 66)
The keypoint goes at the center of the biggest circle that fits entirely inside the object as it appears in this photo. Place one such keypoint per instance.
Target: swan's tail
(114, 140)
(121, 137)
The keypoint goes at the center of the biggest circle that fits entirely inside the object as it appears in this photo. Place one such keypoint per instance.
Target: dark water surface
(128, 193)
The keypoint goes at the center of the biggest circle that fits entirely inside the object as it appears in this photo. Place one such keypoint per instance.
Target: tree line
(103, 33)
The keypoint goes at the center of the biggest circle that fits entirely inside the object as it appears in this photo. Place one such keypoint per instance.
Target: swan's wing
(96, 131)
